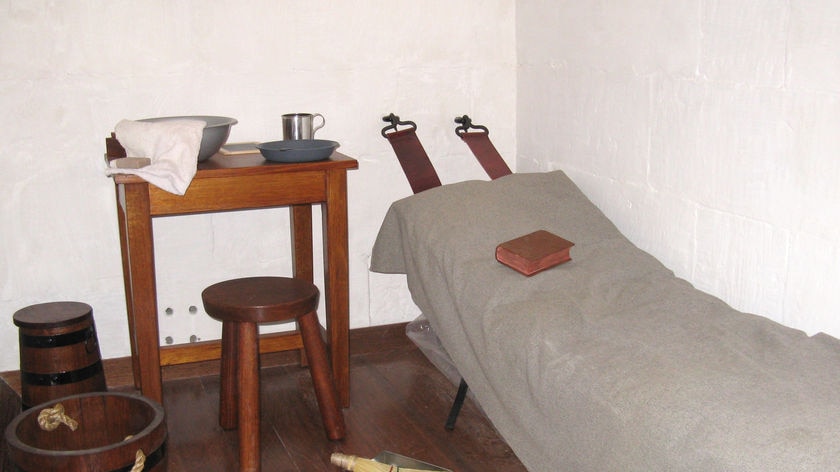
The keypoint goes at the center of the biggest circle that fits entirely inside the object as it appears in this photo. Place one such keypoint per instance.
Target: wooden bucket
(112, 428)
(59, 352)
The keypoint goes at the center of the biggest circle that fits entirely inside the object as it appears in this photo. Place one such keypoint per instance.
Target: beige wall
(706, 130)
(70, 70)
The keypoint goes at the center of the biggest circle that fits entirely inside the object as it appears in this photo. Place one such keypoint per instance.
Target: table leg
(142, 293)
(121, 222)
(301, 223)
(336, 275)
(302, 265)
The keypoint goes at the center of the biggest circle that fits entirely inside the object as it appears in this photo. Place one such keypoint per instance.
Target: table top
(221, 165)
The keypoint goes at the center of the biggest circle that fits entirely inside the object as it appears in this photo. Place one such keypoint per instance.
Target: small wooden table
(225, 183)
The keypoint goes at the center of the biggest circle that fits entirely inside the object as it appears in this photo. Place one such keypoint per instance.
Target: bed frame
(608, 362)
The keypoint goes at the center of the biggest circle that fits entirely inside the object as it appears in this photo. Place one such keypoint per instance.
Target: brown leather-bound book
(534, 252)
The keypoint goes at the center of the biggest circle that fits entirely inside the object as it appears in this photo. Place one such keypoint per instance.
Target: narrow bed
(608, 362)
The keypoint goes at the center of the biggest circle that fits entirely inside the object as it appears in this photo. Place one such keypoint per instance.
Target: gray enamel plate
(297, 150)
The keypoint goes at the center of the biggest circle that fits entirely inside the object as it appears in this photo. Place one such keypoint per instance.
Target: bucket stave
(59, 352)
(112, 427)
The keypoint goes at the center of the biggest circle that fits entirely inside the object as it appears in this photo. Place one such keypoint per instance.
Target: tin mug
(301, 125)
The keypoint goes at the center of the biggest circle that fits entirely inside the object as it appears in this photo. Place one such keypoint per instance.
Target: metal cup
(300, 125)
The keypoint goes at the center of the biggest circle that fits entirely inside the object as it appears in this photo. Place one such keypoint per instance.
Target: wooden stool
(241, 304)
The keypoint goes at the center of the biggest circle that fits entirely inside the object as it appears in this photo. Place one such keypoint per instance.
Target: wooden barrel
(59, 352)
(112, 427)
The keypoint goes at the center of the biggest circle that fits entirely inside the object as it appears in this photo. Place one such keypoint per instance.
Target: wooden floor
(399, 403)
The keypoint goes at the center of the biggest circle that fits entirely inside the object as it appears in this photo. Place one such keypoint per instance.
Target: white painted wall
(70, 70)
(708, 131)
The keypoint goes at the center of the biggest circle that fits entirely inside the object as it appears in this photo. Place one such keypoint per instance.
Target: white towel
(171, 145)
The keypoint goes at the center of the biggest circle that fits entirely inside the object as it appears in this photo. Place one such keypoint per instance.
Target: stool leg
(316, 353)
(230, 361)
(249, 397)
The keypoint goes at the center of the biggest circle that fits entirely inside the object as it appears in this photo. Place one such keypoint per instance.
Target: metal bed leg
(456, 405)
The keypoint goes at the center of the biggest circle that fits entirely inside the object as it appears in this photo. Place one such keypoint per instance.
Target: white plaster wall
(706, 130)
(70, 70)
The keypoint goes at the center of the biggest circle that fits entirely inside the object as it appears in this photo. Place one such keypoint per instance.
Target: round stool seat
(260, 299)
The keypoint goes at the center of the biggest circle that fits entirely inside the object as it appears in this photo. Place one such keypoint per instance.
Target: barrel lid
(53, 314)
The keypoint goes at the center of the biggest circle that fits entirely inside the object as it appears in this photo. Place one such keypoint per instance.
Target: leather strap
(486, 153)
(415, 162)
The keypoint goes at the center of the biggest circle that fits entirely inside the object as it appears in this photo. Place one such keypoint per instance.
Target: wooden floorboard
(398, 403)
(10, 402)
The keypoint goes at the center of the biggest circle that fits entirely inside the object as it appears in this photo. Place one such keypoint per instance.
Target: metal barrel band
(58, 340)
(149, 462)
(62, 378)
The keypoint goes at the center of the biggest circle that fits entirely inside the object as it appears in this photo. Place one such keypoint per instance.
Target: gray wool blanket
(608, 362)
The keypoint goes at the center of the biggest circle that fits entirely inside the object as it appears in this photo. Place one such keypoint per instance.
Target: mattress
(607, 362)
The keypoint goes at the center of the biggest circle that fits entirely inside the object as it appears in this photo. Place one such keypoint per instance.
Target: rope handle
(139, 458)
(139, 461)
(51, 418)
